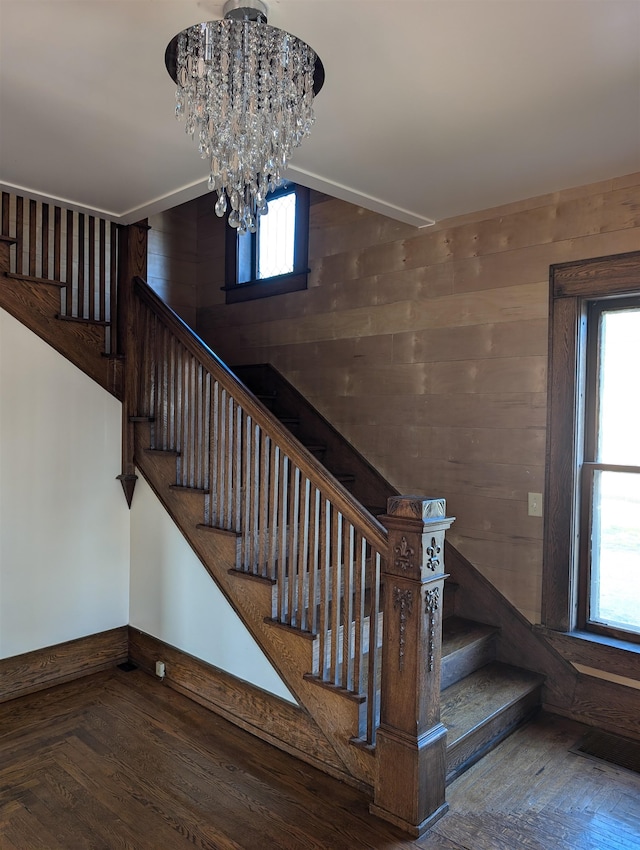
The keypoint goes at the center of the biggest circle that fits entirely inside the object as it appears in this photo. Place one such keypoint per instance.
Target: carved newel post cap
(418, 507)
(416, 536)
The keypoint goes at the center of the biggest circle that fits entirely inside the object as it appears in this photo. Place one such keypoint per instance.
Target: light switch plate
(535, 504)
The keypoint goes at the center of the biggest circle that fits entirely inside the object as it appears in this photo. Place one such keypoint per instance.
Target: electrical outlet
(535, 504)
(160, 669)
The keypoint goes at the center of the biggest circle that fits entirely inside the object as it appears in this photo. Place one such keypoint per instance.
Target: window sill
(612, 655)
(266, 288)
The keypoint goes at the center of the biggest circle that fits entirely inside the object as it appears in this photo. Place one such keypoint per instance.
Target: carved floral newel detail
(404, 555)
(433, 551)
(432, 599)
(402, 600)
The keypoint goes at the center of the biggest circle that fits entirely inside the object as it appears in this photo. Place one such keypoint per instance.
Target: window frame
(278, 284)
(573, 287)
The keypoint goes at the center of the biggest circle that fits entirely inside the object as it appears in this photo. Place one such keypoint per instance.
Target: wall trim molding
(43, 668)
(284, 725)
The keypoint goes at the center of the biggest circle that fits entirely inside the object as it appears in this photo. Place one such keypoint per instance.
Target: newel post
(411, 740)
(132, 262)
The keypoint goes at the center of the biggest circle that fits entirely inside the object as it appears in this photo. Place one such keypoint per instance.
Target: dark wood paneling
(591, 650)
(43, 668)
(607, 705)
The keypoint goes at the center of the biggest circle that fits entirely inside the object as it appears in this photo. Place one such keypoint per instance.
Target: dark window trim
(281, 284)
(572, 287)
(265, 288)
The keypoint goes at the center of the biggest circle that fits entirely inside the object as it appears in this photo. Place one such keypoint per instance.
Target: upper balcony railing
(75, 249)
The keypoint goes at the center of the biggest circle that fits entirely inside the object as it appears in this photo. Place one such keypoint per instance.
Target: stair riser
(464, 661)
(472, 747)
(449, 601)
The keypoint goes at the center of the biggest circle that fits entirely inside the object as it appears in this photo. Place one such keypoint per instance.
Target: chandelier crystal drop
(245, 90)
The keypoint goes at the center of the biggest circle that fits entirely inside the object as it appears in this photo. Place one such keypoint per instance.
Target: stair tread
(32, 279)
(185, 489)
(225, 532)
(474, 700)
(458, 633)
(83, 321)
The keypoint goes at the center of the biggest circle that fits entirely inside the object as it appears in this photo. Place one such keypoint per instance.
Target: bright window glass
(615, 550)
(276, 237)
(619, 383)
(614, 562)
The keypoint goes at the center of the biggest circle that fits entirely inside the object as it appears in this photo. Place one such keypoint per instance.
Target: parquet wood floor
(117, 760)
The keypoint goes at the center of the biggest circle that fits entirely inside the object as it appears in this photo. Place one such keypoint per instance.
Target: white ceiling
(431, 108)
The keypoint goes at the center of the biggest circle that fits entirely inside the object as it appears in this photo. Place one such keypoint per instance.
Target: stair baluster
(298, 529)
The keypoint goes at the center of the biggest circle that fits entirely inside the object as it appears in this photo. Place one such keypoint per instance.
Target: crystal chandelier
(245, 90)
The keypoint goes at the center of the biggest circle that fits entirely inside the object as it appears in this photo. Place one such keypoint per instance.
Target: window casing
(262, 264)
(588, 474)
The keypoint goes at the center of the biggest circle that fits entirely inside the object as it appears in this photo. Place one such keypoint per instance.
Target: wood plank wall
(173, 259)
(186, 257)
(428, 350)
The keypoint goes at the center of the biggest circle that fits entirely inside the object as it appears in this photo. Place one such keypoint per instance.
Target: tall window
(610, 527)
(592, 531)
(274, 259)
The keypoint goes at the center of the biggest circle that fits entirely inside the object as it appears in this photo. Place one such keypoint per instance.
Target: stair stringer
(37, 305)
(337, 717)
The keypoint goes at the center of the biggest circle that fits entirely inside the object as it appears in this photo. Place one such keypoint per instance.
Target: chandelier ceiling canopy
(245, 90)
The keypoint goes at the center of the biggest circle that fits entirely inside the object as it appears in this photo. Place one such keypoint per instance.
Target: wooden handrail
(298, 528)
(308, 464)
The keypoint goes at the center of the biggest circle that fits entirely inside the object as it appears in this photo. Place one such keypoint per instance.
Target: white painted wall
(73, 560)
(174, 599)
(64, 524)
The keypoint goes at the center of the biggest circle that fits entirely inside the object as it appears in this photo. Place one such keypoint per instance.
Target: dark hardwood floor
(117, 760)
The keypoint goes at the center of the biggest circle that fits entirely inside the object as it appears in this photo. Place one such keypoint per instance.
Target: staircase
(314, 432)
(280, 509)
(482, 700)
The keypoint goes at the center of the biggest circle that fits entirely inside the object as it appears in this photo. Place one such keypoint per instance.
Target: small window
(273, 260)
